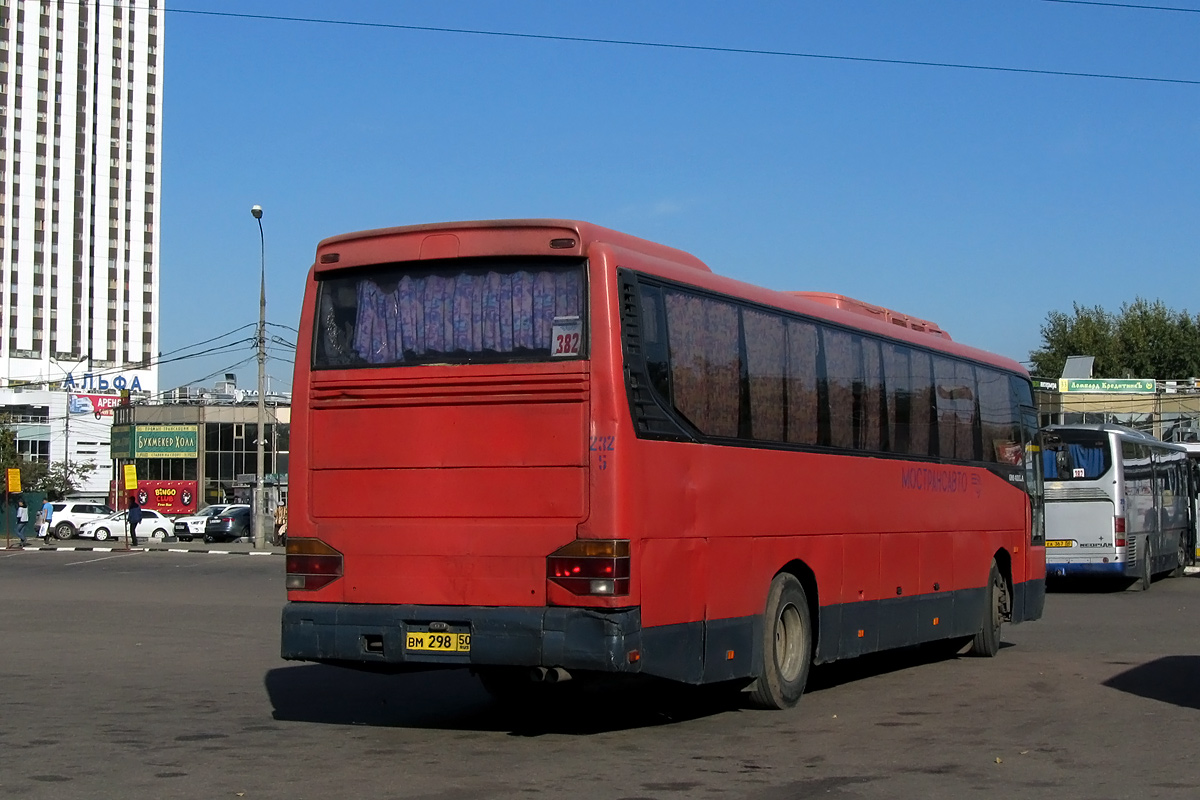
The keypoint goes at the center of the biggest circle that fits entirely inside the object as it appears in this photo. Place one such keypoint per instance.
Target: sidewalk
(168, 545)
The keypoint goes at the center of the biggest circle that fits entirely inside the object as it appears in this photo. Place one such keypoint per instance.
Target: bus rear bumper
(376, 636)
(1093, 569)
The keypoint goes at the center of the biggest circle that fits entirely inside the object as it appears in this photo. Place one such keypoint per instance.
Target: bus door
(1033, 475)
(1193, 505)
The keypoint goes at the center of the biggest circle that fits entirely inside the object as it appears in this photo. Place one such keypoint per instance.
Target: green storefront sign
(1107, 385)
(155, 441)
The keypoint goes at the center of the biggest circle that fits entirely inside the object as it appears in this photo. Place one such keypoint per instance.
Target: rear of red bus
(441, 437)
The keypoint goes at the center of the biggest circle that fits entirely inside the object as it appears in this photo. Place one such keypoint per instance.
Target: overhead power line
(691, 47)
(1124, 5)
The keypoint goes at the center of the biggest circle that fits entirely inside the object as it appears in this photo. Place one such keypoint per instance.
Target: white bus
(1119, 503)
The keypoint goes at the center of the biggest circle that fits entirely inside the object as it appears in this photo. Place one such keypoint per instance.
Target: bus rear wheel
(986, 642)
(787, 645)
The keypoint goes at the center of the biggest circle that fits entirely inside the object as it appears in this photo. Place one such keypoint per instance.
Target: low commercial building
(1166, 409)
(206, 438)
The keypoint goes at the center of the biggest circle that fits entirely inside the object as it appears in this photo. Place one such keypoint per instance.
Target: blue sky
(981, 200)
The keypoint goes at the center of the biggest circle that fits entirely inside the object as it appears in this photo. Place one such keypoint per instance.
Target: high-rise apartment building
(80, 167)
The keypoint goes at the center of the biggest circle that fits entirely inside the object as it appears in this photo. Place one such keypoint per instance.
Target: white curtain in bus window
(999, 417)
(705, 367)
(955, 386)
(841, 374)
(803, 353)
(765, 364)
(428, 315)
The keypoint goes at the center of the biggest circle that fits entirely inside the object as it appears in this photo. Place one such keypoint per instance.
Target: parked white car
(153, 526)
(70, 515)
(192, 527)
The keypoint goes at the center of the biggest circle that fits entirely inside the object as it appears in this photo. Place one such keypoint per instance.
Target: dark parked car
(233, 523)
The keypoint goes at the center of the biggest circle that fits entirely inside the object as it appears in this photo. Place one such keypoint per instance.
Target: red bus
(543, 449)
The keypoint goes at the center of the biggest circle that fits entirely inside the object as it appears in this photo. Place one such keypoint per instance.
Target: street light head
(256, 211)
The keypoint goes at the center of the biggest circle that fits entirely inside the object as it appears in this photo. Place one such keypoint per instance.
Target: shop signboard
(1107, 385)
(172, 498)
(165, 441)
(154, 441)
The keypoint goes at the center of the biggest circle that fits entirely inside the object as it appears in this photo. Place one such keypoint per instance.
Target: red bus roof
(483, 238)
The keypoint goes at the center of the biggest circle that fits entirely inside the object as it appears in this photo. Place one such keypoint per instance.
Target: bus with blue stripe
(1119, 504)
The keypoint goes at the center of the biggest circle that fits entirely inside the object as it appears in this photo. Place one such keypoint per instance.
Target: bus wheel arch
(788, 638)
(1003, 561)
(997, 606)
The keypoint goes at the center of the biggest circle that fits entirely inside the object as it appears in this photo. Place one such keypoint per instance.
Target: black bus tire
(787, 645)
(986, 642)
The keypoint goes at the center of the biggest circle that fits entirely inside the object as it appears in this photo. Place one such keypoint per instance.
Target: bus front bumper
(380, 636)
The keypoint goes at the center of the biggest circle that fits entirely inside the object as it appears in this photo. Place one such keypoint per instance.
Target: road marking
(94, 560)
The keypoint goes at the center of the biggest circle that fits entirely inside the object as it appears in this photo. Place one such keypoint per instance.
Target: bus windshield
(464, 311)
(1075, 455)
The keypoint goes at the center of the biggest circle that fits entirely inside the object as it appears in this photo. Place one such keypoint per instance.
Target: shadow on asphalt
(453, 699)
(1104, 585)
(1171, 679)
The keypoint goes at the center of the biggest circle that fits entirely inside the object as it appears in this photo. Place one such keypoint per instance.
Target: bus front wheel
(787, 645)
(987, 641)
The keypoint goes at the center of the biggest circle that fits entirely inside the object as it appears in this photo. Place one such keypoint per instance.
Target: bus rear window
(1074, 457)
(465, 312)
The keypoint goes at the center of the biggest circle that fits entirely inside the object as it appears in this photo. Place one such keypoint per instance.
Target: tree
(57, 479)
(1091, 332)
(1143, 340)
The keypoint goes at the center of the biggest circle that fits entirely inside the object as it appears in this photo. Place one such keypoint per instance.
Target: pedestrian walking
(135, 516)
(44, 517)
(22, 519)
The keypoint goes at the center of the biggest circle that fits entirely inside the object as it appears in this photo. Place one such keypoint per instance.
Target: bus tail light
(591, 567)
(311, 564)
(1119, 530)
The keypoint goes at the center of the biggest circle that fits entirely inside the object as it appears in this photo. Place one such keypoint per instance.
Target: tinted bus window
(923, 435)
(868, 398)
(956, 409)
(487, 312)
(803, 406)
(999, 418)
(841, 375)
(765, 352)
(705, 363)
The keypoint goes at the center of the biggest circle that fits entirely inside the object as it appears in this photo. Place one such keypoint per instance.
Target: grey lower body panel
(574, 638)
(614, 640)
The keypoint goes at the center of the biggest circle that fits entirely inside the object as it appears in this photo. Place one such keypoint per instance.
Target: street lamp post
(259, 515)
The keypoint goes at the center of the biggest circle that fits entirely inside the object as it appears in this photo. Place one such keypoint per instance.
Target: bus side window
(654, 341)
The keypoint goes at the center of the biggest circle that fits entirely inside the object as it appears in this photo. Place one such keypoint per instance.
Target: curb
(145, 549)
